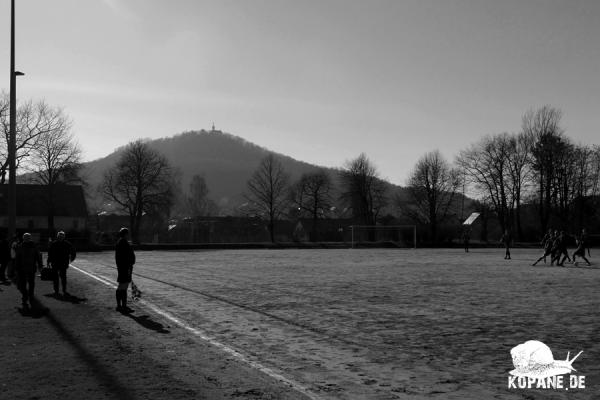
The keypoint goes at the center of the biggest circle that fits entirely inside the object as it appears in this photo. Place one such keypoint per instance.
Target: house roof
(32, 200)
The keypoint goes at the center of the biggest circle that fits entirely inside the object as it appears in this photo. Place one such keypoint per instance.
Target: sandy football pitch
(379, 324)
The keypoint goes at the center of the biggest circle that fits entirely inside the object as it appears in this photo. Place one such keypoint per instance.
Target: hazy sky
(319, 80)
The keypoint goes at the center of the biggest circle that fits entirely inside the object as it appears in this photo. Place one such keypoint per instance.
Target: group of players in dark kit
(21, 260)
(554, 243)
(555, 246)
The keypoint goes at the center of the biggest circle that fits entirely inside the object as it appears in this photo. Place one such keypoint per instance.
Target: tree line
(46, 150)
(538, 169)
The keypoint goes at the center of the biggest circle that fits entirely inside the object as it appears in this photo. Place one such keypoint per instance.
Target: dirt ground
(80, 348)
(339, 324)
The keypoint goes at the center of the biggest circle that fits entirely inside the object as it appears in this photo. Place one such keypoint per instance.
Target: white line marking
(202, 335)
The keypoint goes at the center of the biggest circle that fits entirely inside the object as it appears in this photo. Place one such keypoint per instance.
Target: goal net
(384, 236)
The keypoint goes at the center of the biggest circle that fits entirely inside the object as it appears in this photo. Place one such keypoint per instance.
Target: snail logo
(535, 367)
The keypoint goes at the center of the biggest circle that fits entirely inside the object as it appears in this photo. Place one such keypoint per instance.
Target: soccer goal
(384, 236)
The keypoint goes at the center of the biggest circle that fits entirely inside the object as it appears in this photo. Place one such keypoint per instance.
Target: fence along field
(368, 323)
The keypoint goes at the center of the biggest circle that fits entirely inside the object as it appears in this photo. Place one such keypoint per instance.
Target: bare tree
(362, 188)
(548, 142)
(33, 121)
(520, 175)
(486, 168)
(141, 182)
(582, 182)
(198, 203)
(55, 160)
(268, 190)
(433, 185)
(312, 195)
(551, 155)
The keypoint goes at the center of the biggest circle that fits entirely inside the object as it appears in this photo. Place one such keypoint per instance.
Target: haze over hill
(226, 162)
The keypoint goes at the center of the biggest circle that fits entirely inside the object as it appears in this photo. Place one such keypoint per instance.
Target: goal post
(403, 236)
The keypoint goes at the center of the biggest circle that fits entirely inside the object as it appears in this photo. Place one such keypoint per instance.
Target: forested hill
(225, 161)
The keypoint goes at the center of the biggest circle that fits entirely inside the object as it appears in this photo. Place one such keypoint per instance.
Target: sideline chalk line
(202, 335)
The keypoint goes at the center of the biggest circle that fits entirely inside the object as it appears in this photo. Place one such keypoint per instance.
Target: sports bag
(47, 273)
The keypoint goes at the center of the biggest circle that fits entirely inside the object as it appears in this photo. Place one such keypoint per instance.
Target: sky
(319, 80)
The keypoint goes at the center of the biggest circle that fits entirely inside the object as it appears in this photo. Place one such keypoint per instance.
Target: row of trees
(360, 189)
(46, 150)
(538, 168)
(143, 183)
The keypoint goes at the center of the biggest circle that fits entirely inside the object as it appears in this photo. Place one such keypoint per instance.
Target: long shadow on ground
(148, 323)
(117, 389)
(67, 298)
(35, 311)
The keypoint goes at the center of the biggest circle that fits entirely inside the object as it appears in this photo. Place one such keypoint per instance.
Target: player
(580, 250)
(505, 240)
(548, 242)
(584, 239)
(466, 237)
(561, 250)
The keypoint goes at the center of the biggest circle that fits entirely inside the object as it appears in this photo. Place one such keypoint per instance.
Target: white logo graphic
(535, 367)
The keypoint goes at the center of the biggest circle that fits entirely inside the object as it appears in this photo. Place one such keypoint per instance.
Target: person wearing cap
(28, 262)
(60, 253)
(125, 259)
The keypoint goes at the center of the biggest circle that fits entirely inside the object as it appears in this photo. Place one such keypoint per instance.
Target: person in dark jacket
(125, 258)
(28, 262)
(506, 240)
(60, 253)
(466, 237)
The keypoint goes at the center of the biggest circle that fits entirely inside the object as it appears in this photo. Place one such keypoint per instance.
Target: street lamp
(12, 137)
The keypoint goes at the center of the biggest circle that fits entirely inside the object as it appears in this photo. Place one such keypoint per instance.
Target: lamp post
(12, 137)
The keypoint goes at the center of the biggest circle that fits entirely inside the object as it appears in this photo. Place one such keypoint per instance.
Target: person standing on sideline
(4, 258)
(60, 253)
(28, 262)
(505, 240)
(125, 259)
(466, 237)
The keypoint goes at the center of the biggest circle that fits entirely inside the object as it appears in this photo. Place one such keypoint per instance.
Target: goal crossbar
(356, 228)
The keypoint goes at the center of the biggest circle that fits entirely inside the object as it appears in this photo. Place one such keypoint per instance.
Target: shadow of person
(148, 323)
(67, 297)
(36, 310)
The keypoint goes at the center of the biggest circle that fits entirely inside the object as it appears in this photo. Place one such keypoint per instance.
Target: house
(70, 210)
